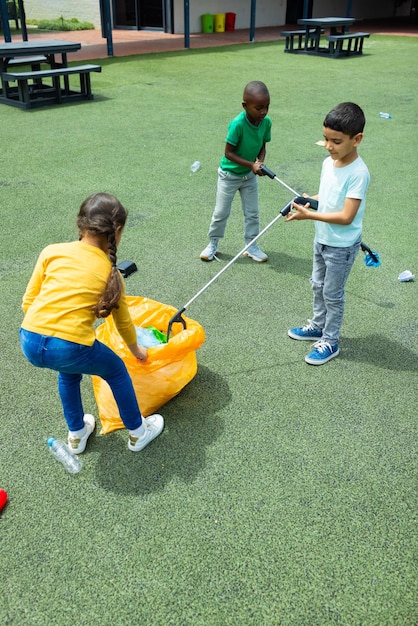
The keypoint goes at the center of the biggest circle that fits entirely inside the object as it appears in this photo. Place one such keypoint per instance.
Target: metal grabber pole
(177, 317)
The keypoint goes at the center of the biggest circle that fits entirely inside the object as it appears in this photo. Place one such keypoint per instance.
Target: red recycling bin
(230, 21)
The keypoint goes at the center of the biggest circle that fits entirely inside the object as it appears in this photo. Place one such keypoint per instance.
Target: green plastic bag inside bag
(158, 334)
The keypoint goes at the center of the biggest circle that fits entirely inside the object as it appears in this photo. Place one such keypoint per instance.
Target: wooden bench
(38, 93)
(300, 34)
(336, 44)
(34, 62)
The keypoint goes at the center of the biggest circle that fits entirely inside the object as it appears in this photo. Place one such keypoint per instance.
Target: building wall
(83, 10)
(361, 9)
(268, 12)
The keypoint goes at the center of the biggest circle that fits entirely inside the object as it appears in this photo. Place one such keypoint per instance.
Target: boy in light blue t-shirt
(245, 151)
(338, 226)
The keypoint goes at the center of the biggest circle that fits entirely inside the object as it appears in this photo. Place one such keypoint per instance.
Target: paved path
(127, 42)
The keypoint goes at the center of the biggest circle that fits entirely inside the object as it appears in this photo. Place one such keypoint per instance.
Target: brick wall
(83, 10)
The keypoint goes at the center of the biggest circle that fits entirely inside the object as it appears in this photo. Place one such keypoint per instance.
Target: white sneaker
(153, 426)
(256, 254)
(77, 444)
(209, 253)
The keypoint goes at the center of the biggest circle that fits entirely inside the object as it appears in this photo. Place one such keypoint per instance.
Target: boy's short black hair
(255, 87)
(347, 118)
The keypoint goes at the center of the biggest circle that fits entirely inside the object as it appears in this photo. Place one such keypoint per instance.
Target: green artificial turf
(279, 493)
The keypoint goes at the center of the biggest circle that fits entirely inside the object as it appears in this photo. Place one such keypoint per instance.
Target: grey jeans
(228, 185)
(331, 267)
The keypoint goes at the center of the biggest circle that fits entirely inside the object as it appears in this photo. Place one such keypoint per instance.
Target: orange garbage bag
(168, 369)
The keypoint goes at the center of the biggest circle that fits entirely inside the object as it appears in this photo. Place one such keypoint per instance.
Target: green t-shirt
(247, 139)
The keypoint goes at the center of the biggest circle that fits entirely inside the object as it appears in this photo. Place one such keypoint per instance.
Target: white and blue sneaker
(209, 253)
(322, 352)
(256, 254)
(305, 333)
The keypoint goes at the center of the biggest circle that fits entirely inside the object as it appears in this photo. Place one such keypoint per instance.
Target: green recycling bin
(207, 23)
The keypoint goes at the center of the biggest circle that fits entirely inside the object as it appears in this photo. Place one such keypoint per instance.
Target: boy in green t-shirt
(245, 151)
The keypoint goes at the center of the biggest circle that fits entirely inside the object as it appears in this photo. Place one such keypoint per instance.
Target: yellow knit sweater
(67, 281)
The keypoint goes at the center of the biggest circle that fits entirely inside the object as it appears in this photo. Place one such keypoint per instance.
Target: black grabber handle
(367, 249)
(267, 172)
(313, 204)
(177, 317)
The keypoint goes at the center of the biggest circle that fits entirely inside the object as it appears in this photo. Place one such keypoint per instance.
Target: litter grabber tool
(177, 317)
(371, 258)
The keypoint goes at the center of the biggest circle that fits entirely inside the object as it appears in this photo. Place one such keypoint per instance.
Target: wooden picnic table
(45, 47)
(321, 23)
(31, 89)
(309, 38)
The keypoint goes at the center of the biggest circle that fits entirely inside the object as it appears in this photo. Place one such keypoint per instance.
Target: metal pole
(4, 15)
(187, 24)
(252, 22)
(23, 20)
(105, 16)
(177, 317)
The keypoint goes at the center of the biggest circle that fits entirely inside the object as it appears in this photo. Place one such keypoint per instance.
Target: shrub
(63, 24)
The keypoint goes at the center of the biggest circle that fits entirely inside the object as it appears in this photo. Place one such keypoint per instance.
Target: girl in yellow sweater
(73, 284)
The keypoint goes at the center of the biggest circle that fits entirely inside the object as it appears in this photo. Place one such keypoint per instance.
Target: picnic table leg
(55, 65)
(306, 42)
(23, 92)
(317, 36)
(66, 78)
(57, 88)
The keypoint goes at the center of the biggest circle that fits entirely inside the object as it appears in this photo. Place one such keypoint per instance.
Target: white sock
(138, 432)
(77, 434)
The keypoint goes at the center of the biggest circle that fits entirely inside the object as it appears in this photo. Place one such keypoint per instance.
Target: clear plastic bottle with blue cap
(62, 453)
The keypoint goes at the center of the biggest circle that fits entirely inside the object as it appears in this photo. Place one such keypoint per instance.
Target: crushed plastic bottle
(149, 337)
(195, 166)
(406, 276)
(386, 116)
(62, 453)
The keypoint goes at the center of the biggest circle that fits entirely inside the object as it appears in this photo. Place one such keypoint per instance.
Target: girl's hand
(143, 354)
(139, 352)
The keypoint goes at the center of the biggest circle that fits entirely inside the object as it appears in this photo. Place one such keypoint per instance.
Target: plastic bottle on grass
(386, 116)
(61, 452)
(195, 166)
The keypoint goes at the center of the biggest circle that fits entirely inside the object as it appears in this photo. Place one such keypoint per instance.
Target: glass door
(125, 14)
(151, 14)
(143, 14)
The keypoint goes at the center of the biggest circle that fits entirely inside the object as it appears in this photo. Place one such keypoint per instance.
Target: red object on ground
(3, 499)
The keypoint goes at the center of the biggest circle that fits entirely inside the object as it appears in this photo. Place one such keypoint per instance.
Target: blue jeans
(331, 267)
(71, 360)
(228, 185)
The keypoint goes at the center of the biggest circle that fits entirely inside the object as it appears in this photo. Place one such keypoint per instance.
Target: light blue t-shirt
(337, 184)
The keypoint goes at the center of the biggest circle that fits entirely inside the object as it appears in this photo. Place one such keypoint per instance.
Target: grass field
(279, 493)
